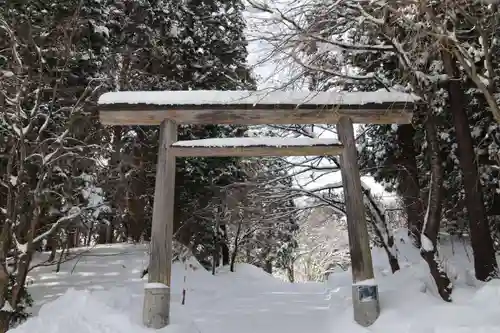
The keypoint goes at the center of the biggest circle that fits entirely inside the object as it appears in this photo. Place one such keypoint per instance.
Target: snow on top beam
(254, 107)
(271, 146)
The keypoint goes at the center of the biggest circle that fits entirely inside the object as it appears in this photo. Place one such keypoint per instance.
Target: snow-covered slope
(409, 298)
(101, 292)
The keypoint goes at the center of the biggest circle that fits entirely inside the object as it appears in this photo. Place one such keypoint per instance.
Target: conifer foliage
(66, 180)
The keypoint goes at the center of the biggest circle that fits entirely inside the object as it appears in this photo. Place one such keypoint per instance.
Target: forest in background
(66, 181)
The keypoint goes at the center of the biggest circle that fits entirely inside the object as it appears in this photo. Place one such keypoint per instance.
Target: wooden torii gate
(169, 108)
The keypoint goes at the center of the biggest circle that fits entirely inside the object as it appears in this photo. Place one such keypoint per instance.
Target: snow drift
(250, 300)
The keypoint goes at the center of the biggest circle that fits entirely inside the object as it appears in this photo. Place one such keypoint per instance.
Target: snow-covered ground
(101, 292)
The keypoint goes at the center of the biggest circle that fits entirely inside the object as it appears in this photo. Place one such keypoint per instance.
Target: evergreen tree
(49, 133)
(167, 45)
(387, 151)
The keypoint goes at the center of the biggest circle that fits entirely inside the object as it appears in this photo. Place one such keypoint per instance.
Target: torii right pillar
(365, 298)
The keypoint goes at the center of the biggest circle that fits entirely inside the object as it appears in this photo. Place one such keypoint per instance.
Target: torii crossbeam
(169, 108)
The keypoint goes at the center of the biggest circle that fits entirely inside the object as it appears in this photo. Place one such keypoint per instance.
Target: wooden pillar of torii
(169, 108)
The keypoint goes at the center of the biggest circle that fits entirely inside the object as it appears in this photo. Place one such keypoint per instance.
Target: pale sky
(271, 76)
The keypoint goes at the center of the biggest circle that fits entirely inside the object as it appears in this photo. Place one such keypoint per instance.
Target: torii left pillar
(156, 311)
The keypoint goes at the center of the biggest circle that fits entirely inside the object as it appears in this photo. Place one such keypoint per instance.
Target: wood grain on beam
(257, 151)
(367, 114)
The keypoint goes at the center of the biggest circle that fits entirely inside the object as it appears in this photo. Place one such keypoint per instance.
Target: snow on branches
(45, 145)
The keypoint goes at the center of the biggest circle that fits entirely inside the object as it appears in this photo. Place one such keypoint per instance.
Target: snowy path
(265, 311)
(102, 292)
(246, 301)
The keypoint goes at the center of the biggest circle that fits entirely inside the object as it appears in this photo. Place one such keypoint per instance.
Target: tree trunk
(290, 273)
(5, 245)
(4, 321)
(110, 233)
(77, 240)
(485, 263)
(4, 282)
(433, 215)
(393, 261)
(215, 253)
(134, 231)
(52, 244)
(268, 266)
(409, 187)
(235, 249)
(70, 238)
(52, 255)
(381, 229)
(146, 236)
(90, 233)
(217, 239)
(248, 254)
(224, 246)
(101, 235)
(64, 252)
(134, 222)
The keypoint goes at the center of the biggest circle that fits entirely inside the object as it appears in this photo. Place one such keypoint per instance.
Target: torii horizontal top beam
(261, 146)
(254, 107)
